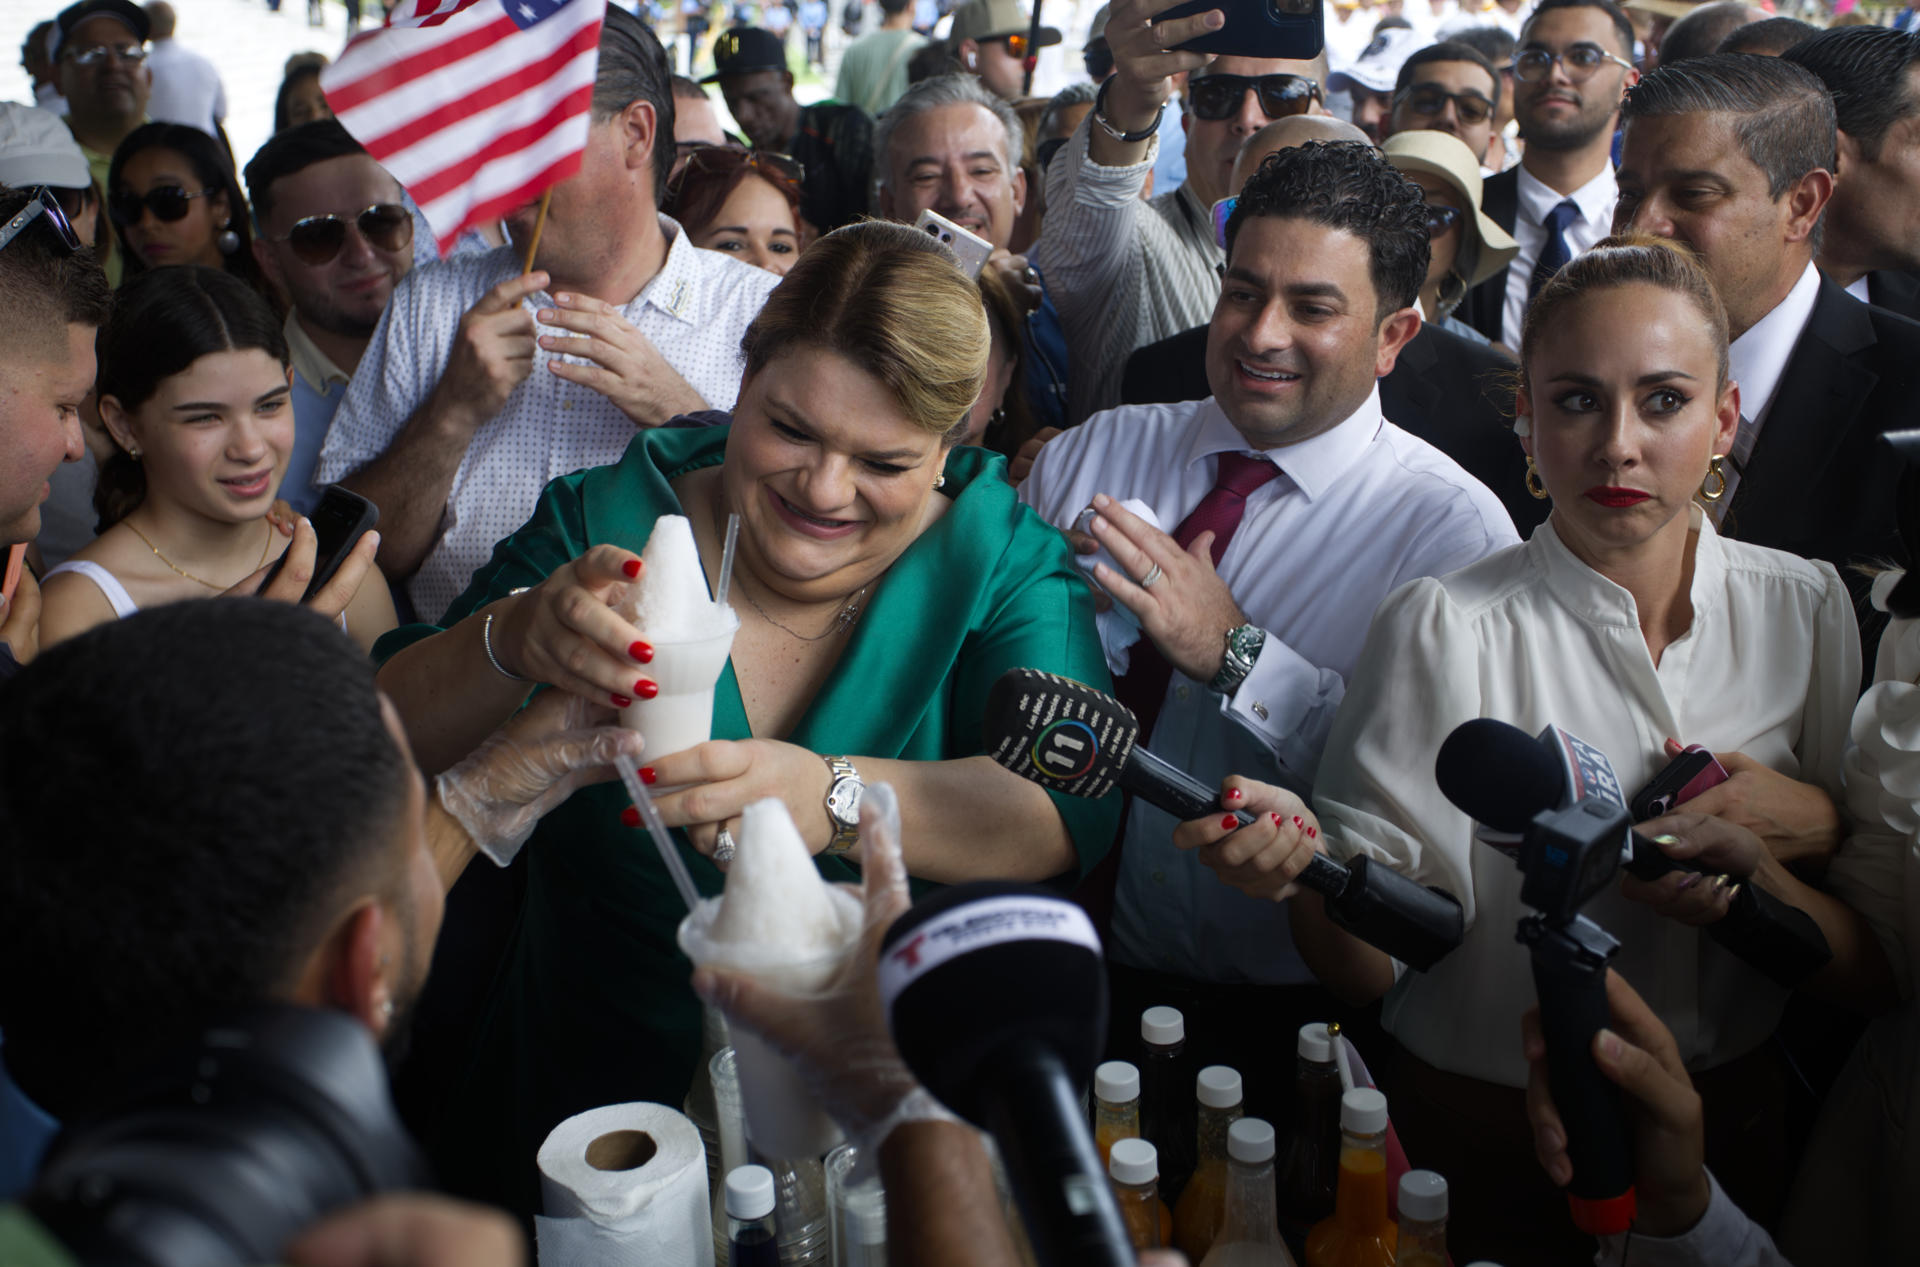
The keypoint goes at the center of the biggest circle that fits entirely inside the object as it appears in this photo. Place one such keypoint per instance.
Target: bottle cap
(1116, 1082)
(749, 1192)
(1363, 1111)
(1163, 1026)
(1218, 1087)
(1250, 1140)
(1423, 1196)
(1133, 1161)
(1315, 1043)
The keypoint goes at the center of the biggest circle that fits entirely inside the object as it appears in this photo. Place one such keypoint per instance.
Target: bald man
(1447, 390)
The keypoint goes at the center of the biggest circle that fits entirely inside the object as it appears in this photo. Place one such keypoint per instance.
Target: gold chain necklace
(841, 621)
(201, 580)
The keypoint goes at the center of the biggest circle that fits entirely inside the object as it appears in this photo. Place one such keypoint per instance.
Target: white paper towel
(652, 1215)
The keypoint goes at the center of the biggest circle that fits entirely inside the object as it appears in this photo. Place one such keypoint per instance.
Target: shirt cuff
(1096, 185)
(1724, 1237)
(1288, 703)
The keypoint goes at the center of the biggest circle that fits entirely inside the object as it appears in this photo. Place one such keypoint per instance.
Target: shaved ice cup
(681, 715)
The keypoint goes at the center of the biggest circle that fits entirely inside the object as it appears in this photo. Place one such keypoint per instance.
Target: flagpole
(539, 223)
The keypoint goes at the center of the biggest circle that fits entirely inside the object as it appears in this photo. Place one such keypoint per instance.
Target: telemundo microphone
(1068, 737)
(1504, 778)
(997, 998)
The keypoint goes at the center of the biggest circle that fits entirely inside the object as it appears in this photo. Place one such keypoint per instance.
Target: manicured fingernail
(641, 652)
(563, 298)
(1296, 821)
(1688, 880)
(621, 701)
(1230, 822)
(630, 816)
(1610, 1044)
(1313, 833)
(647, 776)
(1233, 794)
(631, 567)
(646, 689)
(1664, 839)
(1278, 821)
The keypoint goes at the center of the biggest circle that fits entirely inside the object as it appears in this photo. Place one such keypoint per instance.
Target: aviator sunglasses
(316, 240)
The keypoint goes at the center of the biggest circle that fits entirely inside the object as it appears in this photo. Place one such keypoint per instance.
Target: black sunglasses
(1215, 97)
(1440, 218)
(167, 202)
(316, 240)
(43, 203)
(1431, 100)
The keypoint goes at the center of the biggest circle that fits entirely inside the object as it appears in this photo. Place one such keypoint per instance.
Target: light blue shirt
(25, 1132)
(1170, 164)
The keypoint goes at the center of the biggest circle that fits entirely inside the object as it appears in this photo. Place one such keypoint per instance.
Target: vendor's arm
(942, 1207)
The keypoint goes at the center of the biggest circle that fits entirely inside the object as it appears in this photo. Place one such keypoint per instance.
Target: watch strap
(845, 834)
(1125, 138)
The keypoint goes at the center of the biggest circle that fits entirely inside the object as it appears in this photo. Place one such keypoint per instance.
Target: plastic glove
(554, 746)
(838, 1041)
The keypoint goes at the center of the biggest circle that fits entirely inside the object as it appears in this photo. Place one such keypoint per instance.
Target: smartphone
(1257, 28)
(1685, 777)
(969, 248)
(340, 520)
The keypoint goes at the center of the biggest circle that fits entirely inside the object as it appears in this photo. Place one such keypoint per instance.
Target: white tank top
(123, 604)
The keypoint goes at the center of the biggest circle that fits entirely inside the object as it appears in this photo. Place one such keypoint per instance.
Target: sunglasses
(1431, 100)
(1580, 62)
(1216, 97)
(317, 240)
(720, 160)
(1016, 46)
(168, 203)
(94, 54)
(44, 203)
(1440, 218)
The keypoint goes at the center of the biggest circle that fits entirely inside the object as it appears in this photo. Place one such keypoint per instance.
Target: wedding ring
(723, 846)
(1153, 574)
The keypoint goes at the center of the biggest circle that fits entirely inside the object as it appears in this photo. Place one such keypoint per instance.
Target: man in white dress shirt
(1573, 65)
(186, 87)
(1246, 650)
(482, 384)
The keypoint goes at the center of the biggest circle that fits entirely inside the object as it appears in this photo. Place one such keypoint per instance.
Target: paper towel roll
(624, 1186)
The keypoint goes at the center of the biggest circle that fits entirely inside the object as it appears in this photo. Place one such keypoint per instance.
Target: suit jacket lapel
(1485, 305)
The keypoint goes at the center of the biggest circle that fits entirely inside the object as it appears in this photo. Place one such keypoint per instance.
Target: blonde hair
(891, 300)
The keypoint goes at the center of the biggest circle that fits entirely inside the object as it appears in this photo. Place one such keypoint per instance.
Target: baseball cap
(123, 11)
(1377, 68)
(37, 149)
(982, 20)
(743, 50)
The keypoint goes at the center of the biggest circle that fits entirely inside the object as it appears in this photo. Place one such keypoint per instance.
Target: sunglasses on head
(316, 240)
(42, 204)
(167, 202)
(1217, 97)
(1431, 101)
(714, 160)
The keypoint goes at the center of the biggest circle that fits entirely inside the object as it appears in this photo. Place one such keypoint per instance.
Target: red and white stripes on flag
(476, 106)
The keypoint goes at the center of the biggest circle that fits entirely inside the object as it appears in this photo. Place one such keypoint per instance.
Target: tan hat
(1489, 248)
(37, 149)
(981, 20)
(1664, 8)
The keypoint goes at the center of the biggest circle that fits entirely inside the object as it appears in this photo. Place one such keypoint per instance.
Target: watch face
(844, 801)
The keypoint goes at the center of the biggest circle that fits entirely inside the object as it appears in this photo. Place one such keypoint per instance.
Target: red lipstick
(1616, 498)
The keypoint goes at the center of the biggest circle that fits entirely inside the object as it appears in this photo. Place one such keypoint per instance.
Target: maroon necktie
(1145, 684)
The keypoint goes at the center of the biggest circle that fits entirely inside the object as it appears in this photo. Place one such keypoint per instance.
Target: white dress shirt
(186, 87)
(1123, 273)
(1355, 512)
(1724, 1237)
(1757, 361)
(1594, 201)
(694, 311)
(1533, 636)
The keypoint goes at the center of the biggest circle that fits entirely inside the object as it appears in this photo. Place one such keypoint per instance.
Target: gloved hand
(552, 747)
(838, 1040)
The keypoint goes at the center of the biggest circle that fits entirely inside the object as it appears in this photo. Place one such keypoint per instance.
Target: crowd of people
(1527, 361)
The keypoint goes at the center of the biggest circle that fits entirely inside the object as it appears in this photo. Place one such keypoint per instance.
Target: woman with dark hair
(174, 200)
(1002, 419)
(745, 202)
(193, 391)
(300, 99)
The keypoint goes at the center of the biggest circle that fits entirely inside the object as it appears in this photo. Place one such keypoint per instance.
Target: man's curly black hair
(1349, 186)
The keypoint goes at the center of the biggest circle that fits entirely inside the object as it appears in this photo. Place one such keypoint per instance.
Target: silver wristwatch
(1243, 648)
(843, 806)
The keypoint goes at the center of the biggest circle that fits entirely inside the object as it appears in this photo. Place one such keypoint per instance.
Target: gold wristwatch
(843, 806)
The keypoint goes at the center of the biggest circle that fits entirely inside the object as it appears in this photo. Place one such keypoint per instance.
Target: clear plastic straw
(630, 775)
(1345, 1066)
(726, 560)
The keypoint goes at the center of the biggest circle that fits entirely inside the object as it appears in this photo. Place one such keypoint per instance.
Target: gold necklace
(201, 580)
(842, 620)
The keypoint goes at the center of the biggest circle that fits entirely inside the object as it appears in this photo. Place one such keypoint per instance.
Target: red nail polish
(1296, 820)
(631, 567)
(641, 652)
(645, 689)
(647, 776)
(621, 701)
(1230, 822)
(630, 816)
(1278, 821)
(1313, 833)
(1233, 794)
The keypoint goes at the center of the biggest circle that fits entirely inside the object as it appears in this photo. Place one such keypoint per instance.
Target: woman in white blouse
(1629, 621)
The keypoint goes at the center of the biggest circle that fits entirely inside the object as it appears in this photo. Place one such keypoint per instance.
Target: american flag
(476, 106)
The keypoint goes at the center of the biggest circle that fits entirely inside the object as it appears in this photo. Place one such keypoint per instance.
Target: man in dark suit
(1455, 394)
(1733, 156)
(1574, 63)
(1873, 224)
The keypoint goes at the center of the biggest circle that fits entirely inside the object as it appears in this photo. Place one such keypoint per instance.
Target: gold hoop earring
(1717, 475)
(1534, 486)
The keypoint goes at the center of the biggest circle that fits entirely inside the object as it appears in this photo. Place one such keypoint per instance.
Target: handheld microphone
(1501, 777)
(997, 999)
(1066, 736)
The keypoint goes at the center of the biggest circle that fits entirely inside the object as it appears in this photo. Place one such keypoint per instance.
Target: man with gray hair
(483, 383)
(951, 146)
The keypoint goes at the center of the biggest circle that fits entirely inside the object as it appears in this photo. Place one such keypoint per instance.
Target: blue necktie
(1554, 253)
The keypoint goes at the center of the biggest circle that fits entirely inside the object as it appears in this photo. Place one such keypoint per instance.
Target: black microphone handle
(1572, 988)
(1034, 1114)
(1776, 937)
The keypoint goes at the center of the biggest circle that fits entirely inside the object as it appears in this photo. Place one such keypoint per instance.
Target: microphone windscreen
(1498, 774)
(1057, 732)
(978, 968)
